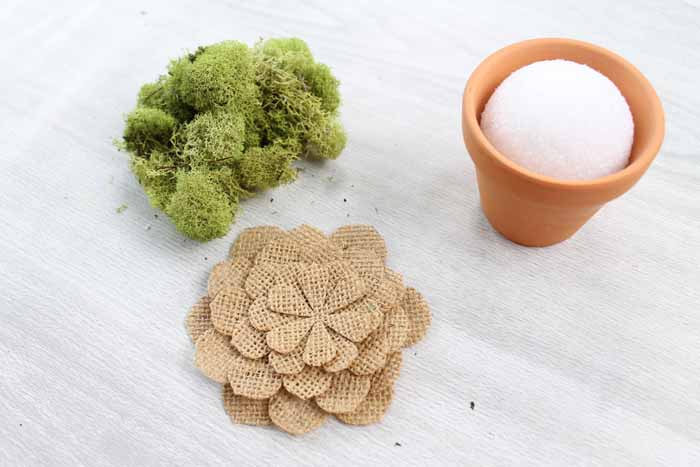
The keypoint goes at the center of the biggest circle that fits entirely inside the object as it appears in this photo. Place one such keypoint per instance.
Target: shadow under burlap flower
(298, 326)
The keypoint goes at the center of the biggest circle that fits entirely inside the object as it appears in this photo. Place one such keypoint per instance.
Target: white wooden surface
(586, 353)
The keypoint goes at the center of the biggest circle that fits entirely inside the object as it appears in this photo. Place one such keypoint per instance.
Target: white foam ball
(561, 119)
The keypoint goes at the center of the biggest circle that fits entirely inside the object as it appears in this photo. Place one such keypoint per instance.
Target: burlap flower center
(322, 303)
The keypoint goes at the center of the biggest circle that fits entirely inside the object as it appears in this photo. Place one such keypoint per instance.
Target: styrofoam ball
(561, 119)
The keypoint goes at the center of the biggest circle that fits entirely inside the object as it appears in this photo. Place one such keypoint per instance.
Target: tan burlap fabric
(199, 319)
(244, 410)
(298, 326)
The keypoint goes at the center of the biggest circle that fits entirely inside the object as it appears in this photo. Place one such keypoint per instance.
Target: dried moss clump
(199, 207)
(227, 121)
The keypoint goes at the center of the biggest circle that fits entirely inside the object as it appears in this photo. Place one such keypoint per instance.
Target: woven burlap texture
(298, 326)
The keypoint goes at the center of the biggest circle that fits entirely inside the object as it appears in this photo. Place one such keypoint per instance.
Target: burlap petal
(295, 416)
(214, 355)
(341, 270)
(260, 279)
(378, 400)
(314, 281)
(264, 319)
(368, 265)
(251, 241)
(320, 348)
(396, 279)
(288, 300)
(345, 394)
(282, 250)
(387, 298)
(347, 353)
(287, 364)
(287, 337)
(386, 294)
(314, 247)
(245, 411)
(254, 379)
(230, 305)
(199, 319)
(387, 376)
(306, 233)
(372, 357)
(308, 383)
(360, 236)
(217, 277)
(345, 292)
(249, 341)
(357, 321)
(418, 314)
(372, 409)
(395, 328)
(287, 273)
(228, 274)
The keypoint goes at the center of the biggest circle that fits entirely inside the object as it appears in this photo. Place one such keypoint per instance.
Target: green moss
(214, 137)
(268, 167)
(227, 121)
(222, 75)
(327, 141)
(147, 130)
(280, 46)
(152, 95)
(290, 111)
(228, 180)
(294, 55)
(164, 94)
(324, 85)
(157, 176)
(199, 208)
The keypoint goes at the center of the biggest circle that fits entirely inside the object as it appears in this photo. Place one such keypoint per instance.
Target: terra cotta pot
(537, 210)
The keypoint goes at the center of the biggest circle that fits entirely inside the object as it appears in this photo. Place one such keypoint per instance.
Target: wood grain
(585, 353)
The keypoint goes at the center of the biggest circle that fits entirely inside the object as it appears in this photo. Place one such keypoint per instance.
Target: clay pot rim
(629, 174)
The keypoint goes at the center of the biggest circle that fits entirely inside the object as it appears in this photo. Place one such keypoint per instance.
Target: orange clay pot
(536, 210)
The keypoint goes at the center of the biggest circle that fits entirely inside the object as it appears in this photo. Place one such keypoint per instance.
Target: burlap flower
(297, 326)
